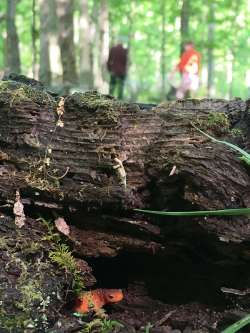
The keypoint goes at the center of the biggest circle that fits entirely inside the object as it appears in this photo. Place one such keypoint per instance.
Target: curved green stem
(238, 325)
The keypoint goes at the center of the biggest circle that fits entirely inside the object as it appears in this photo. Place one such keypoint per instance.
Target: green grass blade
(221, 212)
(232, 146)
(238, 325)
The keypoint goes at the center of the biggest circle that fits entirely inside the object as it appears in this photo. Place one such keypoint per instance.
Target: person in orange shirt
(189, 68)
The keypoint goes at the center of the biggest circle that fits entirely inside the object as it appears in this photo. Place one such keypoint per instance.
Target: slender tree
(231, 53)
(65, 12)
(13, 53)
(34, 39)
(100, 18)
(104, 36)
(54, 47)
(44, 71)
(95, 46)
(210, 49)
(163, 48)
(86, 71)
(185, 13)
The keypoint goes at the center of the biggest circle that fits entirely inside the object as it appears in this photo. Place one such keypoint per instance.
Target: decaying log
(61, 156)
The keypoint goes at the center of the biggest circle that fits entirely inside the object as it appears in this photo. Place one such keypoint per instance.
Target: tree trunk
(101, 47)
(65, 12)
(230, 72)
(45, 68)
(104, 37)
(86, 70)
(34, 40)
(13, 54)
(185, 13)
(54, 47)
(163, 50)
(210, 56)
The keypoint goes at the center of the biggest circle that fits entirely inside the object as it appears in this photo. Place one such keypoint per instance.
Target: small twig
(235, 291)
(61, 177)
(173, 171)
(164, 319)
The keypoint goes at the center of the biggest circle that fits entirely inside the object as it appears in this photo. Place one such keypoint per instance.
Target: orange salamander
(96, 299)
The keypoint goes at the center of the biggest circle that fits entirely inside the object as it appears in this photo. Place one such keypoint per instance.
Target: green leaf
(220, 212)
(238, 325)
(244, 155)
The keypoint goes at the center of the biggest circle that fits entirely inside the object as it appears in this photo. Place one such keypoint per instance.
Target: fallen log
(60, 154)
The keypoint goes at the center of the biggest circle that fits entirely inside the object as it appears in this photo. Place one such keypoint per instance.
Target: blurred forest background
(65, 43)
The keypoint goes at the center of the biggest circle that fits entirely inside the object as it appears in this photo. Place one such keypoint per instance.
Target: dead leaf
(62, 226)
(18, 211)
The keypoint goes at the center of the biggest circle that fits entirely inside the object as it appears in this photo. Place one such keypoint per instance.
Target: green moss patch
(12, 93)
(106, 108)
(216, 123)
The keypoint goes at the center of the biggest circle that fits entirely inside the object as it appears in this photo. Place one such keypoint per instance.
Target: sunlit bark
(65, 10)
(86, 74)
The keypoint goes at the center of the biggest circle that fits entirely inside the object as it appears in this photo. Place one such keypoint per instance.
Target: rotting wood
(148, 142)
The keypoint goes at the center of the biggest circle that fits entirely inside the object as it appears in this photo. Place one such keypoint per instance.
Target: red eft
(96, 299)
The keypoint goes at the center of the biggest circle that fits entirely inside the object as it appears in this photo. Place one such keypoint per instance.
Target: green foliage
(62, 256)
(30, 294)
(144, 36)
(236, 132)
(99, 325)
(238, 325)
(218, 120)
(221, 212)
(52, 234)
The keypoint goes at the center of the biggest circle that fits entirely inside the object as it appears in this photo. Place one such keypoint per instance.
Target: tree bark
(34, 39)
(185, 13)
(86, 70)
(65, 12)
(70, 169)
(13, 54)
(54, 47)
(45, 67)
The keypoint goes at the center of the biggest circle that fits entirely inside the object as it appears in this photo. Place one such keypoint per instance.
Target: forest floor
(35, 293)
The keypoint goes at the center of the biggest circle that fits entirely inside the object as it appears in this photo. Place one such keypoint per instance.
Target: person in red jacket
(117, 66)
(189, 68)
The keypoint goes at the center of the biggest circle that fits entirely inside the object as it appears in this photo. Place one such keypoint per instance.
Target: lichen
(13, 93)
(38, 176)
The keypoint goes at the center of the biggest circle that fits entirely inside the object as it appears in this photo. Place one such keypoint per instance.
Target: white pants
(189, 82)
